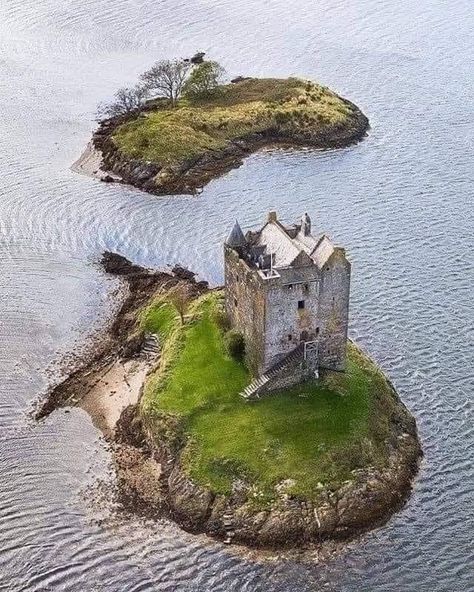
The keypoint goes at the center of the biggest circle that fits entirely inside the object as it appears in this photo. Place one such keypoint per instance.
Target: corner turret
(236, 237)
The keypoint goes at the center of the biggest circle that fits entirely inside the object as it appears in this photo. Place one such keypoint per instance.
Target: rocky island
(211, 431)
(176, 146)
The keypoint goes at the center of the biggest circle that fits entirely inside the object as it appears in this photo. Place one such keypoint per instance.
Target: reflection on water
(400, 203)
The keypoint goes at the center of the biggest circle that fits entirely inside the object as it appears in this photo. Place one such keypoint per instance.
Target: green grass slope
(312, 435)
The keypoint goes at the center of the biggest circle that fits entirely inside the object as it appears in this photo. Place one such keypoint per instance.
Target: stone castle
(287, 293)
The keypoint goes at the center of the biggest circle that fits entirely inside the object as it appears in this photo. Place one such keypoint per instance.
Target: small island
(199, 128)
(269, 431)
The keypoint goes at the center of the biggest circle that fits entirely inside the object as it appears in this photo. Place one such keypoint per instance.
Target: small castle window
(290, 337)
(300, 304)
(317, 331)
(235, 301)
(327, 268)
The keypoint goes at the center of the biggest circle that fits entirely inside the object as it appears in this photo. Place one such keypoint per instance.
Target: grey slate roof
(236, 237)
(286, 249)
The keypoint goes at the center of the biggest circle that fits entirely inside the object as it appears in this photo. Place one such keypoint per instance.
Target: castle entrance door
(311, 354)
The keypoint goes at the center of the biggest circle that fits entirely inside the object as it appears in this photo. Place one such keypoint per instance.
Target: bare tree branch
(166, 78)
(126, 100)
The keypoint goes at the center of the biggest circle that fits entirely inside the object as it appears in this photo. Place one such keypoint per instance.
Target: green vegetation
(235, 344)
(313, 434)
(287, 107)
(204, 80)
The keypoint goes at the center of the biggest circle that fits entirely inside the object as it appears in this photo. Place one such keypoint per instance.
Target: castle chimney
(306, 225)
(272, 216)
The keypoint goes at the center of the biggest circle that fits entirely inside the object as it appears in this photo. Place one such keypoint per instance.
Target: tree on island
(180, 297)
(204, 80)
(170, 79)
(167, 78)
(126, 101)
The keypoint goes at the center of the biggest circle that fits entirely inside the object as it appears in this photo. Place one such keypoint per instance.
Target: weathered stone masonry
(284, 287)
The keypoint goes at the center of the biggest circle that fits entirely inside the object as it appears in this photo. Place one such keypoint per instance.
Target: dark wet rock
(183, 273)
(191, 503)
(238, 79)
(108, 179)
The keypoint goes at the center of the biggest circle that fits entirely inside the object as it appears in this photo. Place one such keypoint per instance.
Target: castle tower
(236, 237)
(287, 290)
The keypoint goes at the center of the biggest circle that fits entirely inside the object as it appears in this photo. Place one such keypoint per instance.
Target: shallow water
(400, 202)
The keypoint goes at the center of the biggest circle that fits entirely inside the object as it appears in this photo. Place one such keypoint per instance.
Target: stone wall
(298, 304)
(245, 307)
(286, 324)
(334, 311)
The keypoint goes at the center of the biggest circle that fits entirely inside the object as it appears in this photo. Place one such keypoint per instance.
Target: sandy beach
(89, 163)
(118, 387)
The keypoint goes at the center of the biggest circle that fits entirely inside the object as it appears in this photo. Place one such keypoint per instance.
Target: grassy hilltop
(167, 136)
(314, 434)
(178, 149)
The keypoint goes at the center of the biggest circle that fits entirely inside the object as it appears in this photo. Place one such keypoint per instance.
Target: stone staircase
(228, 527)
(151, 347)
(253, 390)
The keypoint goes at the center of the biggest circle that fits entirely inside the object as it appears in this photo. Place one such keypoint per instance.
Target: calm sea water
(401, 202)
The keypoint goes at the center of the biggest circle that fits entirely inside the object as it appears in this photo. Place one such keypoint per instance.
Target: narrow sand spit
(109, 382)
(118, 387)
(89, 164)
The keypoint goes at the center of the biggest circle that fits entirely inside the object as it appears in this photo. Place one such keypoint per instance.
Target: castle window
(235, 301)
(290, 337)
(317, 331)
(327, 268)
(290, 286)
(300, 304)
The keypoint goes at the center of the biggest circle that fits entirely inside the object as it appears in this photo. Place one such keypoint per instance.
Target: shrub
(282, 117)
(219, 316)
(204, 80)
(235, 344)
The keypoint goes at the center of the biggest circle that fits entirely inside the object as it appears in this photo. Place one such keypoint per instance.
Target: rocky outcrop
(190, 176)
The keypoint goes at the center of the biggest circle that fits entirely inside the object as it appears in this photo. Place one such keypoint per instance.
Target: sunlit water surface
(400, 202)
